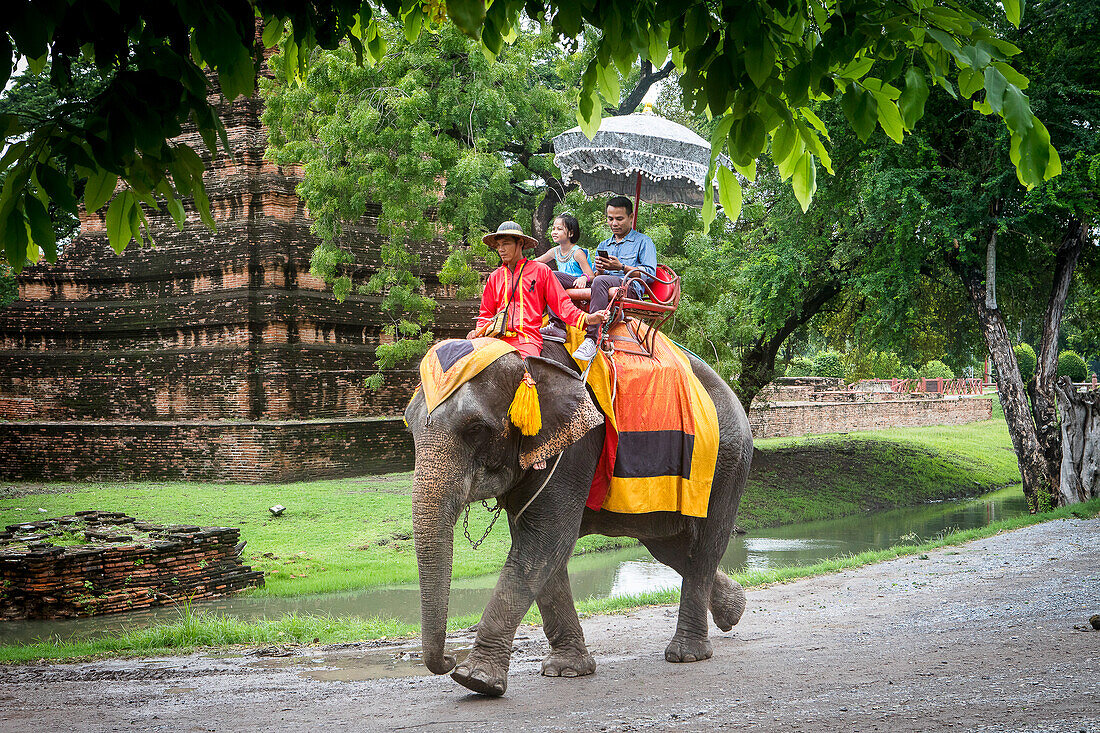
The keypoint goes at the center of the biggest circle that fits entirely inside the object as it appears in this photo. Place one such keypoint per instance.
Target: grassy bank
(829, 476)
(195, 630)
(348, 534)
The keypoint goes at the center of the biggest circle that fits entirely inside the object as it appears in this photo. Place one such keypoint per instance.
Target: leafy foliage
(444, 140)
(1072, 365)
(800, 366)
(828, 364)
(1027, 361)
(757, 68)
(936, 369)
(871, 365)
(31, 98)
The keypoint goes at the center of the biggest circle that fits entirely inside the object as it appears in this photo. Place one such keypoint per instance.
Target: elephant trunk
(433, 532)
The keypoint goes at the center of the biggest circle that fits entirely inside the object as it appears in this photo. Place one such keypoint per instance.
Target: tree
(908, 230)
(759, 68)
(1026, 361)
(443, 139)
(9, 288)
(447, 142)
(800, 366)
(936, 369)
(1079, 415)
(951, 201)
(828, 364)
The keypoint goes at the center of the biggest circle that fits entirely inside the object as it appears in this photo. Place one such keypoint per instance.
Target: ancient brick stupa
(215, 355)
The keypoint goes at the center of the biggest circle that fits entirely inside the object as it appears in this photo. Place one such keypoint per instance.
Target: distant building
(214, 356)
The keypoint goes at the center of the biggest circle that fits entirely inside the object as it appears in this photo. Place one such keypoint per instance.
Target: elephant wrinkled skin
(469, 451)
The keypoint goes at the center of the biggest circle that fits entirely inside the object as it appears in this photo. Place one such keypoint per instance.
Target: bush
(800, 366)
(828, 364)
(886, 365)
(907, 372)
(1072, 365)
(870, 365)
(936, 369)
(1025, 357)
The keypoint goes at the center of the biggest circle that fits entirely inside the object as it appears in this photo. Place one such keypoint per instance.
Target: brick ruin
(105, 562)
(818, 405)
(215, 355)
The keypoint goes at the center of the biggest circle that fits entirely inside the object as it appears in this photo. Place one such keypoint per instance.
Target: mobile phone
(601, 253)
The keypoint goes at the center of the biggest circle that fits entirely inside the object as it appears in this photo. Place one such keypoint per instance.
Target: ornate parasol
(664, 162)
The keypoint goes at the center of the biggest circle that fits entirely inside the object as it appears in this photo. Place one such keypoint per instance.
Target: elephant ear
(567, 412)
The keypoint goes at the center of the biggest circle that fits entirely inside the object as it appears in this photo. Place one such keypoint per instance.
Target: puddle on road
(368, 665)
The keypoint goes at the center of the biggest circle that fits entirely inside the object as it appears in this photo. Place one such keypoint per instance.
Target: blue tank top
(569, 264)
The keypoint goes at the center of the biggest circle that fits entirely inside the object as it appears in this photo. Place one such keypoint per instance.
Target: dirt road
(978, 637)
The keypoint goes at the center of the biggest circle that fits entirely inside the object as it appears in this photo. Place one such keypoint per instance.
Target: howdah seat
(645, 315)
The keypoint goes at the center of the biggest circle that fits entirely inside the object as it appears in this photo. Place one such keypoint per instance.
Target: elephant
(467, 450)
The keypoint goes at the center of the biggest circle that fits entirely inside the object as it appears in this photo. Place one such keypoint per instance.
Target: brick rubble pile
(125, 565)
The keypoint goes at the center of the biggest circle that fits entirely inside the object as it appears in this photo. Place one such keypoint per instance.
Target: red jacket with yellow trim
(537, 291)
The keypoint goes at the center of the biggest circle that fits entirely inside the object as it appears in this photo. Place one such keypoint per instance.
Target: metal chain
(466, 522)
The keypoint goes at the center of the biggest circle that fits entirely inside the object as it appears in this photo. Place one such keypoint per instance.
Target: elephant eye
(477, 433)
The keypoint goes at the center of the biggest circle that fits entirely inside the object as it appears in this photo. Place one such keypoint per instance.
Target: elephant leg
(569, 656)
(727, 601)
(690, 643)
(485, 670)
(539, 549)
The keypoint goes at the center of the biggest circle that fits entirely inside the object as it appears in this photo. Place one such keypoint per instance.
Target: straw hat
(509, 228)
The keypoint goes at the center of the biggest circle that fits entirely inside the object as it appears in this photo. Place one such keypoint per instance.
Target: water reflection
(640, 576)
(620, 572)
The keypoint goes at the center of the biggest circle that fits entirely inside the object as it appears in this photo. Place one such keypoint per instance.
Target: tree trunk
(1042, 396)
(758, 362)
(1080, 470)
(543, 216)
(1038, 484)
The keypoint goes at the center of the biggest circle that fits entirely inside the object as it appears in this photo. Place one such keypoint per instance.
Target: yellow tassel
(525, 412)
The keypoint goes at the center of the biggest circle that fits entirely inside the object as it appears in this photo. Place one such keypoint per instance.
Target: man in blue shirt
(627, 250)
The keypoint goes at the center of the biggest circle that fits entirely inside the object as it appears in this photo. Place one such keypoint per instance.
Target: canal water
(620, 572)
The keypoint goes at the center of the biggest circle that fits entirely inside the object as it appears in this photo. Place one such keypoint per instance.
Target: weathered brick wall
(260, 451)
(206, 327)
(782, 419)
(221, 451)
(784, 393)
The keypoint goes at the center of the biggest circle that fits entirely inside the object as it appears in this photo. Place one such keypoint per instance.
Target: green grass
(349, 534)
(336, 535)
(198, 629)
(829, 476)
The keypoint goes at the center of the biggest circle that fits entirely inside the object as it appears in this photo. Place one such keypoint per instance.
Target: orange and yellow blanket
(662, 431)
(661, 426)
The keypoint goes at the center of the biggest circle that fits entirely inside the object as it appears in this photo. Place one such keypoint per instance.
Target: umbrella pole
(637, 199)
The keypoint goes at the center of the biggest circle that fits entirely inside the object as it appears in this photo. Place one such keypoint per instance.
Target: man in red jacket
(526, 288)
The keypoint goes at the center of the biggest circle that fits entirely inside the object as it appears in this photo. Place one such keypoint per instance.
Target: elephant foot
(688, 650)
(727, 602)
(481, 677)
(568, 664)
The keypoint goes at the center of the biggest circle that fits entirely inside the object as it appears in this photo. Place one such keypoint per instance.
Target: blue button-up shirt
(635, 250)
